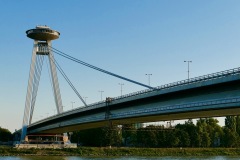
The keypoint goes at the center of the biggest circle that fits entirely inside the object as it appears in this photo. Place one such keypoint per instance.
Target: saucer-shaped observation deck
(42, 33)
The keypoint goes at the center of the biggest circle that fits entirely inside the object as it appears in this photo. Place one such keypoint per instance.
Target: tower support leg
(29, 92)
(57, 94)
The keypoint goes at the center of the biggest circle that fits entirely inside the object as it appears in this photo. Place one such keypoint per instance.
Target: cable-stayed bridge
(216, 94)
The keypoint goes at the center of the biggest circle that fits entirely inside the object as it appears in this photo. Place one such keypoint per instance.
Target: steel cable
(96, 68)
(68, 81)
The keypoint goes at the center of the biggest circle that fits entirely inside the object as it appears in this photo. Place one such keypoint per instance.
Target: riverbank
(100, 152)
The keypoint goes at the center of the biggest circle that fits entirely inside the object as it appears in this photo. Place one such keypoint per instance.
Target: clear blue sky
(127, 37)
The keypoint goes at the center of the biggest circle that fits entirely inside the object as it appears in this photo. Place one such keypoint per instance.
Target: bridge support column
(108, 119)
(107, 112)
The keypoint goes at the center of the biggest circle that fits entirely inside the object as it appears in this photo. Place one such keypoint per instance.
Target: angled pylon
(42, 36)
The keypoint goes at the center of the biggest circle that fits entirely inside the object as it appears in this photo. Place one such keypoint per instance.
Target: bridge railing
(176, 84)
(186, 82)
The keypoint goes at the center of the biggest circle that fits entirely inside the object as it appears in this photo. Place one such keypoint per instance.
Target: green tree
(98, 137)
(152, 135)
(199, 140)
(206, 140)
(214, 130)
(191, 131)
(5, 135)
(231, 139)
(89, 137)
(141, 137)
(147, 136)
(230, 123)
(111, 136)
(238, 125)
(172, 139)
(202, 132)
(184, 139)
(162, 136)
(129, 133)
(116, 136)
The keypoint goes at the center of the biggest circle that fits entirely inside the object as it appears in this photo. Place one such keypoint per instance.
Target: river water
(119, 158)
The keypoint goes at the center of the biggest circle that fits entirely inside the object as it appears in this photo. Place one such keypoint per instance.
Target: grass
(102, 151)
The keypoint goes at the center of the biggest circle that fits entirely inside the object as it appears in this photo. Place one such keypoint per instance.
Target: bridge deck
(215, 94)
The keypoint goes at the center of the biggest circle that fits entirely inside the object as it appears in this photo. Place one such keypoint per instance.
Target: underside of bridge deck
(174, 116)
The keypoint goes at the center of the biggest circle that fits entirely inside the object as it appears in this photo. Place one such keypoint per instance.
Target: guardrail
(187, 82)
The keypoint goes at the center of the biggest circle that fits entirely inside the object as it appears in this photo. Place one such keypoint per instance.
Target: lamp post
(121, 84)
(148, 78)
(188, 67)
(101, 94)
(72, 104)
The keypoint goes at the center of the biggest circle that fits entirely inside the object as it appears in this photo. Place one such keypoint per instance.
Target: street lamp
(188, 67)
(121, 84)
(148, 78)
(101, 94)
(72, 104)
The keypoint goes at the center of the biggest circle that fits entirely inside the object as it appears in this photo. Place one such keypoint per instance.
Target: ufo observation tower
(42, 36)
